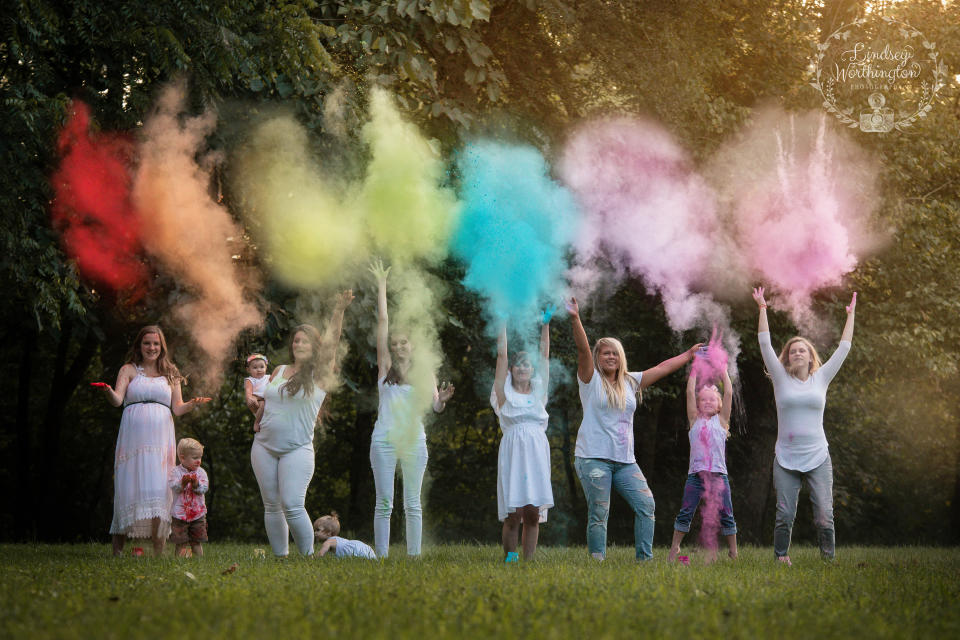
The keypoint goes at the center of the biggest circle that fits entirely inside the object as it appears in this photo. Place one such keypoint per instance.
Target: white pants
(283, 480)
(383, 459)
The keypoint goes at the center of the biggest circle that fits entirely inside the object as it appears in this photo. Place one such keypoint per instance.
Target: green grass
(80, 591)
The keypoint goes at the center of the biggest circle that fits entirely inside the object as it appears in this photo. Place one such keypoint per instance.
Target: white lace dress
(523, 464)
(146, 451)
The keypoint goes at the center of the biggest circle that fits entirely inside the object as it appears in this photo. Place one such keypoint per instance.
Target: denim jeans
(598, 476)
(692, 493)
(820, 483)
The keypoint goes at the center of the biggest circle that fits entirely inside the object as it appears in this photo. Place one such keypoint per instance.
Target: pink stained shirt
(708, 446)
(188, 503)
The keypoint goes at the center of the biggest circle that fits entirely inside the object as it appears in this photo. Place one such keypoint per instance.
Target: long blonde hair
(814, 356)
(616, 391)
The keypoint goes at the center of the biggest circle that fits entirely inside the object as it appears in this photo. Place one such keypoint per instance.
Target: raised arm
(762, 325)
(331, 341)
(665, 368)
(545, 353)
(832, 366)
(727, 406)
(691, 399)
(500, 376)
(848, 326)
(770, 360)
(584, 355)
(383, 346)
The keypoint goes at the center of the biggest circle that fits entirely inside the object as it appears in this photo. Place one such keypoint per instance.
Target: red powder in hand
(92, 207)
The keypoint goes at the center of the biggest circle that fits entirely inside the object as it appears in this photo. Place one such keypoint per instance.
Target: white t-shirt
(396, 404)
(288, 421)
(708, 445)
(801, 441)
(353, 549)
(258, 384)
(606, 432)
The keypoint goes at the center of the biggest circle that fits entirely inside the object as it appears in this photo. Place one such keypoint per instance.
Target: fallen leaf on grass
(231, 568)
(190, 575)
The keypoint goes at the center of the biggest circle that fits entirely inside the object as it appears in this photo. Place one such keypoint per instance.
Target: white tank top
(288, 421)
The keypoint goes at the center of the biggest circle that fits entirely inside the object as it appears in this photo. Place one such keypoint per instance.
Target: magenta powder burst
(646, 212)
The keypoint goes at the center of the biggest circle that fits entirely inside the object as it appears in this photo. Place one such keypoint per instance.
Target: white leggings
(383, 459)
(283, 480)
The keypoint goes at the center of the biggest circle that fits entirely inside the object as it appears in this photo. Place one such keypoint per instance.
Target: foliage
(530, 70)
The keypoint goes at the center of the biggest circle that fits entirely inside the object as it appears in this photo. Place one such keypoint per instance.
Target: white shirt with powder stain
(606, 432)
(801, 441)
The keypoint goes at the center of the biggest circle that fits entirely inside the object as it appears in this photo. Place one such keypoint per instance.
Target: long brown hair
(308, 373)
(165, 366)
(394, 375)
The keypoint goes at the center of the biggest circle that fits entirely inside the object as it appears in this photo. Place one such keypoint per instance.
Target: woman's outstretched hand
(758, 296)
(445, 392)
(378, 270)
(344, 299)
(853, 303)
(572, 307)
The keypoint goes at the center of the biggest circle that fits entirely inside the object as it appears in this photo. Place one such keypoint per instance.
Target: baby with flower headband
(254, 383)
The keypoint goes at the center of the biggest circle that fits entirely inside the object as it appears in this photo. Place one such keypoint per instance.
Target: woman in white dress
(523, 465)
(148, 387)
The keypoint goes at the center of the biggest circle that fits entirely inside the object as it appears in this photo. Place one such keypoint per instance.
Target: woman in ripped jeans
(604, 451)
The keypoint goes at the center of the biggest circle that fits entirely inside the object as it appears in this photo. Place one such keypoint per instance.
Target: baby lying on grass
(326, 528)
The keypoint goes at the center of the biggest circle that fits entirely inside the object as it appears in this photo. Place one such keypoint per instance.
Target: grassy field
(80, 591)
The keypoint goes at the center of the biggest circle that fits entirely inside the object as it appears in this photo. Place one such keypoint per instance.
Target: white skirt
(523, 471)
(146, 451)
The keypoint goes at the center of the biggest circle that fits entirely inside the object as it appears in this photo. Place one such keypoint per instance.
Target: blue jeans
(820, 483)
(692, 493)
(598, 476)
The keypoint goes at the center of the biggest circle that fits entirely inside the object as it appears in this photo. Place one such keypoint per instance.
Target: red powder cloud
(92, 207)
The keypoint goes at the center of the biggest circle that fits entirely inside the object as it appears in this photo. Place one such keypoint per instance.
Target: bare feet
(672, 556)
(785, 560)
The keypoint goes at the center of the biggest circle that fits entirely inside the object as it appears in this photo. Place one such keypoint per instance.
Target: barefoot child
(254, 383)
(189, 483)
(709, 416)
(326, 528)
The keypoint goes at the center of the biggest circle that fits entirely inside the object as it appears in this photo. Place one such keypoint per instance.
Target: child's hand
(184, 481)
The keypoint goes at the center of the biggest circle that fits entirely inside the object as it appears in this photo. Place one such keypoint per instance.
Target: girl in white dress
(523, 466)
(148, 387)
(398, 435)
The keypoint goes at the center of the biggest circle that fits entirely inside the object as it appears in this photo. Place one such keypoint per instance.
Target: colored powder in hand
(92, 207)
(709, 367)
(188, 232)
(292, 206)
(516, 225)
(408, 212)
(646, 212)
(801, 195)
(711, 505)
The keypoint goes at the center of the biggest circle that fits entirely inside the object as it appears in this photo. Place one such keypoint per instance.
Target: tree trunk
(23, 499)
(63, 384)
